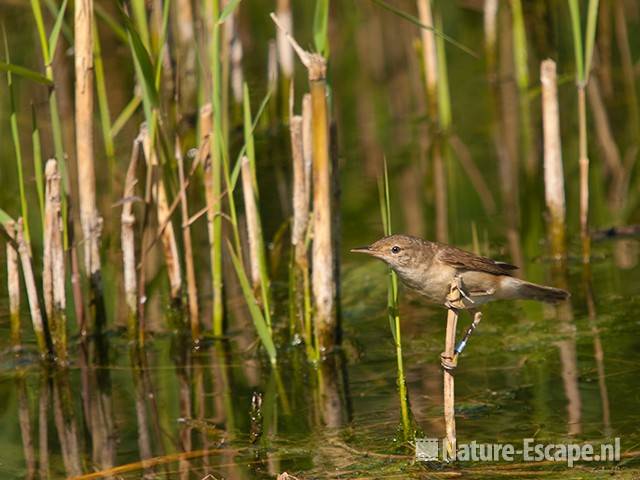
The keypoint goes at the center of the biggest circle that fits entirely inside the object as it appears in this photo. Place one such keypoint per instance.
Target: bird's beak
(366, 250)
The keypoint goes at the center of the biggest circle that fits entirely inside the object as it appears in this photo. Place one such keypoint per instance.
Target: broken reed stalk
(192, 288)
(128, 242)
(163, 211)
(13, 285)
(89, 217)
(37, 319)
(553, 170)
(323, 281)
(490, 18)
(253, 222)
(300, 194)
(307, 142)
(448, 381)
(53, 274)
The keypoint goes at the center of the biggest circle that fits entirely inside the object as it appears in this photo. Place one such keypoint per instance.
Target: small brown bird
(432, 268)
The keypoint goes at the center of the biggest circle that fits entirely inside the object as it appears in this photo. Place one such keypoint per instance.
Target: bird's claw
(449, 363)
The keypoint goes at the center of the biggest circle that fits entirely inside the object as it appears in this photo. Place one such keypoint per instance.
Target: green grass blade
(320, 27)
(256, 314)
(111, 22)
(103, 101)
(520, 46)
(126, 114)
(5, 217)
(143, 63)
(592, 22)
(142, 25)
(228, 10)
(417, 22)
(15, 135)
(574, 10)
(25, 73)
(444, 97)
(42, 34)
(54, 9)
(55, 31)
(163, 39)
(37, 161)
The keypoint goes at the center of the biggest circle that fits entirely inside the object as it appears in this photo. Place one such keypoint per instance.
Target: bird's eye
(395, 249)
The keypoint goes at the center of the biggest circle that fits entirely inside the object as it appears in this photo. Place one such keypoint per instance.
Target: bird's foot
(449, 363)
(457, 295)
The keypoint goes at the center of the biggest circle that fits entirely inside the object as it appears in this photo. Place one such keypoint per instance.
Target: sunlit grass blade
(5, 217)
(110, 22)
(415, 21)
(55, 31)
(125, 115)
(15, 135)
(320, 27)
(103, 101)
(574, 10)
(228, 10)
(25, 72)
(590, 36)
(256, 314)
(162, 42)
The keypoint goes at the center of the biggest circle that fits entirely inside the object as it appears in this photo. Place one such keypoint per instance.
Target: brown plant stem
(89, 217)
(53, 275)
(192, 289)
(449, 384)
(13, 286)
(127, 221)
(553, 169)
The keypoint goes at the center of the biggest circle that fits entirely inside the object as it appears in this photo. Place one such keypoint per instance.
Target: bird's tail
(521, 289)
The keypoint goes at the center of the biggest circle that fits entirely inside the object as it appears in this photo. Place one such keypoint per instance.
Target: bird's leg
(457, 294)
(477, 317)
(450, 363)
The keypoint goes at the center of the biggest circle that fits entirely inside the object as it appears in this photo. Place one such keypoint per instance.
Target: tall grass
(393, 311)
(583, 51)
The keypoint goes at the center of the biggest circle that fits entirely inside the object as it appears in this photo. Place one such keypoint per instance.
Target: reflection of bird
(431, 269)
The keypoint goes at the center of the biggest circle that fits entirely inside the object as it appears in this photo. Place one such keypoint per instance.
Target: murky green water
(531, 371)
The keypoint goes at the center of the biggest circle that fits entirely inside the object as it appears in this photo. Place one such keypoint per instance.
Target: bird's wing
(464, 260)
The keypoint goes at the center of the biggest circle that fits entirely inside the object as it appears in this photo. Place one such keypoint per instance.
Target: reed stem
(89, 217)
(13, 285)
(449, 384)
(553, 169)
(127, 221)
(163, 210)
(53, 275)
(32, 292)
(192, 289)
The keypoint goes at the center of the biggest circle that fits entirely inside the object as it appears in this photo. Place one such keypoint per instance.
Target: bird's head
(398, 251)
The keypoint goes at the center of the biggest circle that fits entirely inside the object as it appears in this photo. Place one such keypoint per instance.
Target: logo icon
(427, 449)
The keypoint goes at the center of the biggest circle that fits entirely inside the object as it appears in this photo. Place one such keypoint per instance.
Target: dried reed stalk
(553, 170)
(186, 55)
(32, 292)
(128, 242)
(13, 285)
(285, 52)
(167, 235)
(300, 194)
(253, 222)
(448, 382)
(324, 288)
(430, 65)
(235, 56)
(89, 217)
(192, 289)
(307, 141)
(490, 18)
(53, 274)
